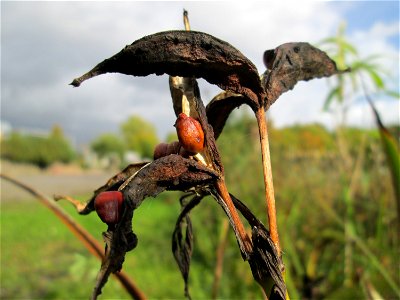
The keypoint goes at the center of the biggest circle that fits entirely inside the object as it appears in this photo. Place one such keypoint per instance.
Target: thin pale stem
(223, 191)
(88, 240)
(268, 182)
(186, 20)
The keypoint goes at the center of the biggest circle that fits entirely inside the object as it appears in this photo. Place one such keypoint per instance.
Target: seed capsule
(190, 133)
(173, 148)
(108, 206)
(164, 149)
(160, 150)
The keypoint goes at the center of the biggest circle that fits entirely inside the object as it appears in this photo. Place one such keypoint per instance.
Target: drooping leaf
(113, 184)
(292, 62)
(372, 71)
(171, 172)
(339, 40)
(219, 109)
(266, 265)
(185, 54)
(335, 92)
(392, 153)
(119, 240)
(182, 246)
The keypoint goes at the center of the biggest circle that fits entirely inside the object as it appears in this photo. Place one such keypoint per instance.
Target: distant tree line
(38, 150)
(139, 136)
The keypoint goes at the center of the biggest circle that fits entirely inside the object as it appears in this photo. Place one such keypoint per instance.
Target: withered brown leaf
(266, 265)
(185, 54)
(219, 109)
(182, 244)
(292, 62)
(171, 172)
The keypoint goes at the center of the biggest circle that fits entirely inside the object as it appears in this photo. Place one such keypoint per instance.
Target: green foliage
(39, 150)
(318, 213)
(139, 135)
(108, 144)
(312, 216)
(346, 56)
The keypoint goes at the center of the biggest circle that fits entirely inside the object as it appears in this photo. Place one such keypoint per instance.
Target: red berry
(108, 206)
(190, 133)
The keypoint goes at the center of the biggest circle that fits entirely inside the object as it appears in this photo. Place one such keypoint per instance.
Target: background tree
(38, 149)
(108, 144)
(139, 135)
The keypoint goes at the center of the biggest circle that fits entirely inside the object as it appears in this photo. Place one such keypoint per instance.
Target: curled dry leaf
(113, 184)
(219, 109)
(182, 237)
(185, 54)
(137, 182)
(265, 263)
(292, 62)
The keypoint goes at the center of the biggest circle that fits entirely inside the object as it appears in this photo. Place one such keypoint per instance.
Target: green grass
(41, 259)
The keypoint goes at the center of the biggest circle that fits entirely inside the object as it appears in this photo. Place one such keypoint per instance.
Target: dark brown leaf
(113, 184)
(185, 54)
(118, 240)
(292, 62)
(172, 172)
(265, 264)
(182, 247)
(219, 109)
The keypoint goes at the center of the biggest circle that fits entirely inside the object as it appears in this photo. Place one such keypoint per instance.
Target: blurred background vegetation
(336, 208)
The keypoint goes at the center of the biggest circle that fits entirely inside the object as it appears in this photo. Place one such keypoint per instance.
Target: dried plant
(185, 56)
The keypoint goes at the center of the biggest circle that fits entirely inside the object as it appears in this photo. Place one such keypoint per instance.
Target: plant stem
(223, 241)
(373, 259)
(244, 240)
(186, 20)
(268, 182)
(87, 239)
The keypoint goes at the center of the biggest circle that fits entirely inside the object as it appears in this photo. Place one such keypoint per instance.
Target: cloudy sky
(44, 45)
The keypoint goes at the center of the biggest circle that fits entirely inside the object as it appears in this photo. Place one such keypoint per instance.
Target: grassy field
(41, 259)
(337, 222)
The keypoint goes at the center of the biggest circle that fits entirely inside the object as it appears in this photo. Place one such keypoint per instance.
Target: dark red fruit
(160, 150)
(173, 148)
(190, 133)
(108, 206)
(164, 149)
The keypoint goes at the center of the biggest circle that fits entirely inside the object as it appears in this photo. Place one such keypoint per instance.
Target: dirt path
(53, 184)
(75, 183)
